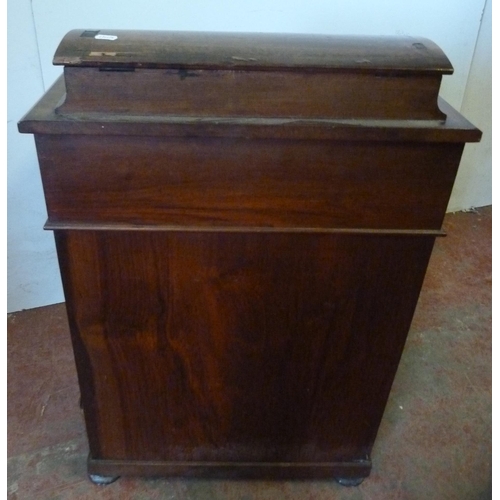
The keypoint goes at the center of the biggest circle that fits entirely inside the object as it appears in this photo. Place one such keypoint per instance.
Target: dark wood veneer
(239, 346)
(269, 183)
(243, 224)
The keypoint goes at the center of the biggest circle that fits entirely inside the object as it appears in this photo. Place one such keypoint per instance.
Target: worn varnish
(243, 223)
(264, 75)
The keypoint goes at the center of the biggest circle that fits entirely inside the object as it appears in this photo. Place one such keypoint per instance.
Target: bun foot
(102, 480)
(349, 481)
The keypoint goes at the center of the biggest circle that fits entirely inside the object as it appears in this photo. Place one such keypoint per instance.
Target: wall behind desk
(37, 26)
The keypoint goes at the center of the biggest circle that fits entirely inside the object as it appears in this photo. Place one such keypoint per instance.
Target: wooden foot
(102, 480)
(349, 481)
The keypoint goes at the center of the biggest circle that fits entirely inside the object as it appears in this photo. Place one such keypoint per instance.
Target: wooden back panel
(241, 183)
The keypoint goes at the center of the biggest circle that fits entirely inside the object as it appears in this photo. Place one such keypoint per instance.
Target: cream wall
(37, 26)
(32, 272)
(473, 183)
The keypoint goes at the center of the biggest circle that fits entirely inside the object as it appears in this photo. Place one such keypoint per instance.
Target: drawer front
(214, 182)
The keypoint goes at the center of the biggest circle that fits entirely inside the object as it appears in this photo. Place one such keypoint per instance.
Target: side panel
(237, 347)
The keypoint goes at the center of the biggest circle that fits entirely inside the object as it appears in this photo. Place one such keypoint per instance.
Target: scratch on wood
(99, 54)
(45, 405)
(236, 58)
(71, 60)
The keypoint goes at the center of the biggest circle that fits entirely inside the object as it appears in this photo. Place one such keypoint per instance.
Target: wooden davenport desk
(243, 224)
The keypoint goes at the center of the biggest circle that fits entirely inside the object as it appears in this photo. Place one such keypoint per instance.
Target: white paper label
(105, 37)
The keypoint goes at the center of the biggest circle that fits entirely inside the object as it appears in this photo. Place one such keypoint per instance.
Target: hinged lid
(262, 51)
(285, 86)
(196, 74)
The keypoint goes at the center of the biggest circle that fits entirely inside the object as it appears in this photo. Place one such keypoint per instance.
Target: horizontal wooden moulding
(43, 119)
(234, 470)
(83, 226)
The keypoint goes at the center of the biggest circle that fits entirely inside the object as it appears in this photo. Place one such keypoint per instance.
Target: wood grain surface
(237, 347)
(230, 93)
(251, 51)
(218, 182)
(243, 224)
(43, 119)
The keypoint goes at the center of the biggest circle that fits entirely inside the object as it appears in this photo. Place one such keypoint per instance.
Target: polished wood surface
(250, 51)
(238, 347)
(197, 93)
(267, 75)
(44, 119)
(243, 224)
(229, 182)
